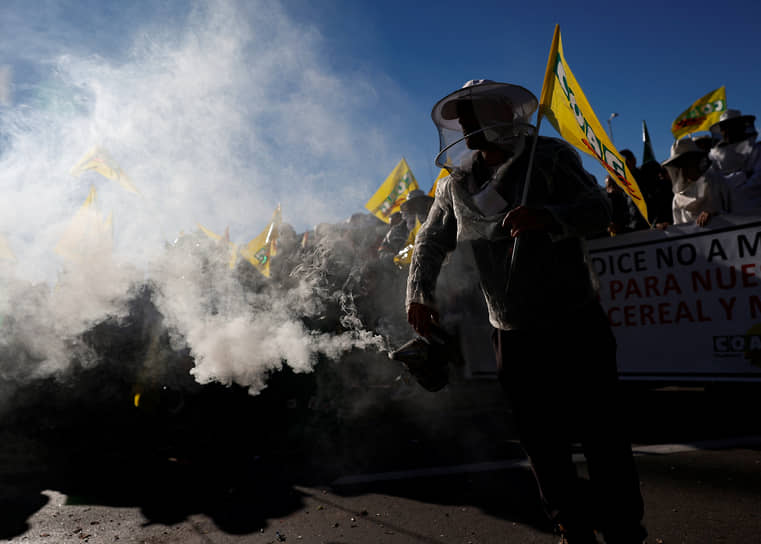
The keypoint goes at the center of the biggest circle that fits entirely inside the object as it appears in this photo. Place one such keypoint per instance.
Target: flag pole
(524, 199)
(546, 96)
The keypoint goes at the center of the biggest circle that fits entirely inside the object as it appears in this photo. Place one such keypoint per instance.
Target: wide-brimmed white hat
(520, 100)
(682, 147)
(730, 115)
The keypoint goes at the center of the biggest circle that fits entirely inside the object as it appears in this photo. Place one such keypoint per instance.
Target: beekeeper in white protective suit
(699, 191)
(737, 157)
(556, 355)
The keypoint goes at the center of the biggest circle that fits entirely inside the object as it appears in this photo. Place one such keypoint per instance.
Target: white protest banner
(685, 303)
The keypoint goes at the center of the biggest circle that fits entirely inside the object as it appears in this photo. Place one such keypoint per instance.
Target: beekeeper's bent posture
(556, 354)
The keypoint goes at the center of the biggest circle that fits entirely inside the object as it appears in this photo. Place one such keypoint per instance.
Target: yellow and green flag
(98, 160)
(389, 197)
(703, 113)
(404, 257)
(566, 107)
(261, 249)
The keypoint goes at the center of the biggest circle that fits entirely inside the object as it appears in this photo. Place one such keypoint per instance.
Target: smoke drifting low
(238, 334)
(216, 114)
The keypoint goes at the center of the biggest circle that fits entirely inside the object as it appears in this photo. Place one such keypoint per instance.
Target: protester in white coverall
(737, 157)
(556, 354)
(699, 192)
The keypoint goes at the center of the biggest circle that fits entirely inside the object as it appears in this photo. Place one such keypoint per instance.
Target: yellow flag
(389, 197)
(442, 174)
(88, 234)
(703, 113)
(404, 257)
(566, 107)
(5, 250)
(259, 250)
(100, 161)
(233, 260)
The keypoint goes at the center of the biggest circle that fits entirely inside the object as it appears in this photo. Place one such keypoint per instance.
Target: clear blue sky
(643, 60)
(219, 110)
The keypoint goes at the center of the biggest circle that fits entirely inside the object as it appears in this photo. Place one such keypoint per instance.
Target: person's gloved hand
(422, 317)
(523, 218)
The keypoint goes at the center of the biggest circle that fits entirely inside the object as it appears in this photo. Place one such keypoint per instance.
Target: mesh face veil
(680, 178)
(483, 115)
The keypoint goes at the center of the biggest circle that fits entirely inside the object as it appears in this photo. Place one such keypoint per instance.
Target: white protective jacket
(709, 193)
(740, 166)
(553, 276)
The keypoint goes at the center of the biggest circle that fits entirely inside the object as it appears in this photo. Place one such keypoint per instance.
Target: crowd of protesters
(355, 264)
(704, 176)
(357, 261)
(354, 268)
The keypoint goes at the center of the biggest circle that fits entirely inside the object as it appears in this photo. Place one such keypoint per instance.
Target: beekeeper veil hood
(482, 115)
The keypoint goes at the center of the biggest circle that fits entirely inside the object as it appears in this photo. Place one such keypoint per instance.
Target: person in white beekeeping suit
(699, 191)
(737, 157)
(555, 352)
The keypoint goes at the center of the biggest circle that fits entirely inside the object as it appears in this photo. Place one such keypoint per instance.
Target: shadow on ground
(211, 456)
(233, 457)
(239, 459)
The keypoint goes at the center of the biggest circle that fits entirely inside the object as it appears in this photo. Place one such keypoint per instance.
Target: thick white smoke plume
(215, 114)
(239, 333)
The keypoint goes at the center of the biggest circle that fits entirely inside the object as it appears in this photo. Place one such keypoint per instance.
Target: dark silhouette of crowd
(705, 175)
(355, 264)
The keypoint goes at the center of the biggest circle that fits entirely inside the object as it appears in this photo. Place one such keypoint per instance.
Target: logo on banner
(746, 345)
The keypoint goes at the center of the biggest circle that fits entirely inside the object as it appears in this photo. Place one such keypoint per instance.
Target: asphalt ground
(389, 463)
